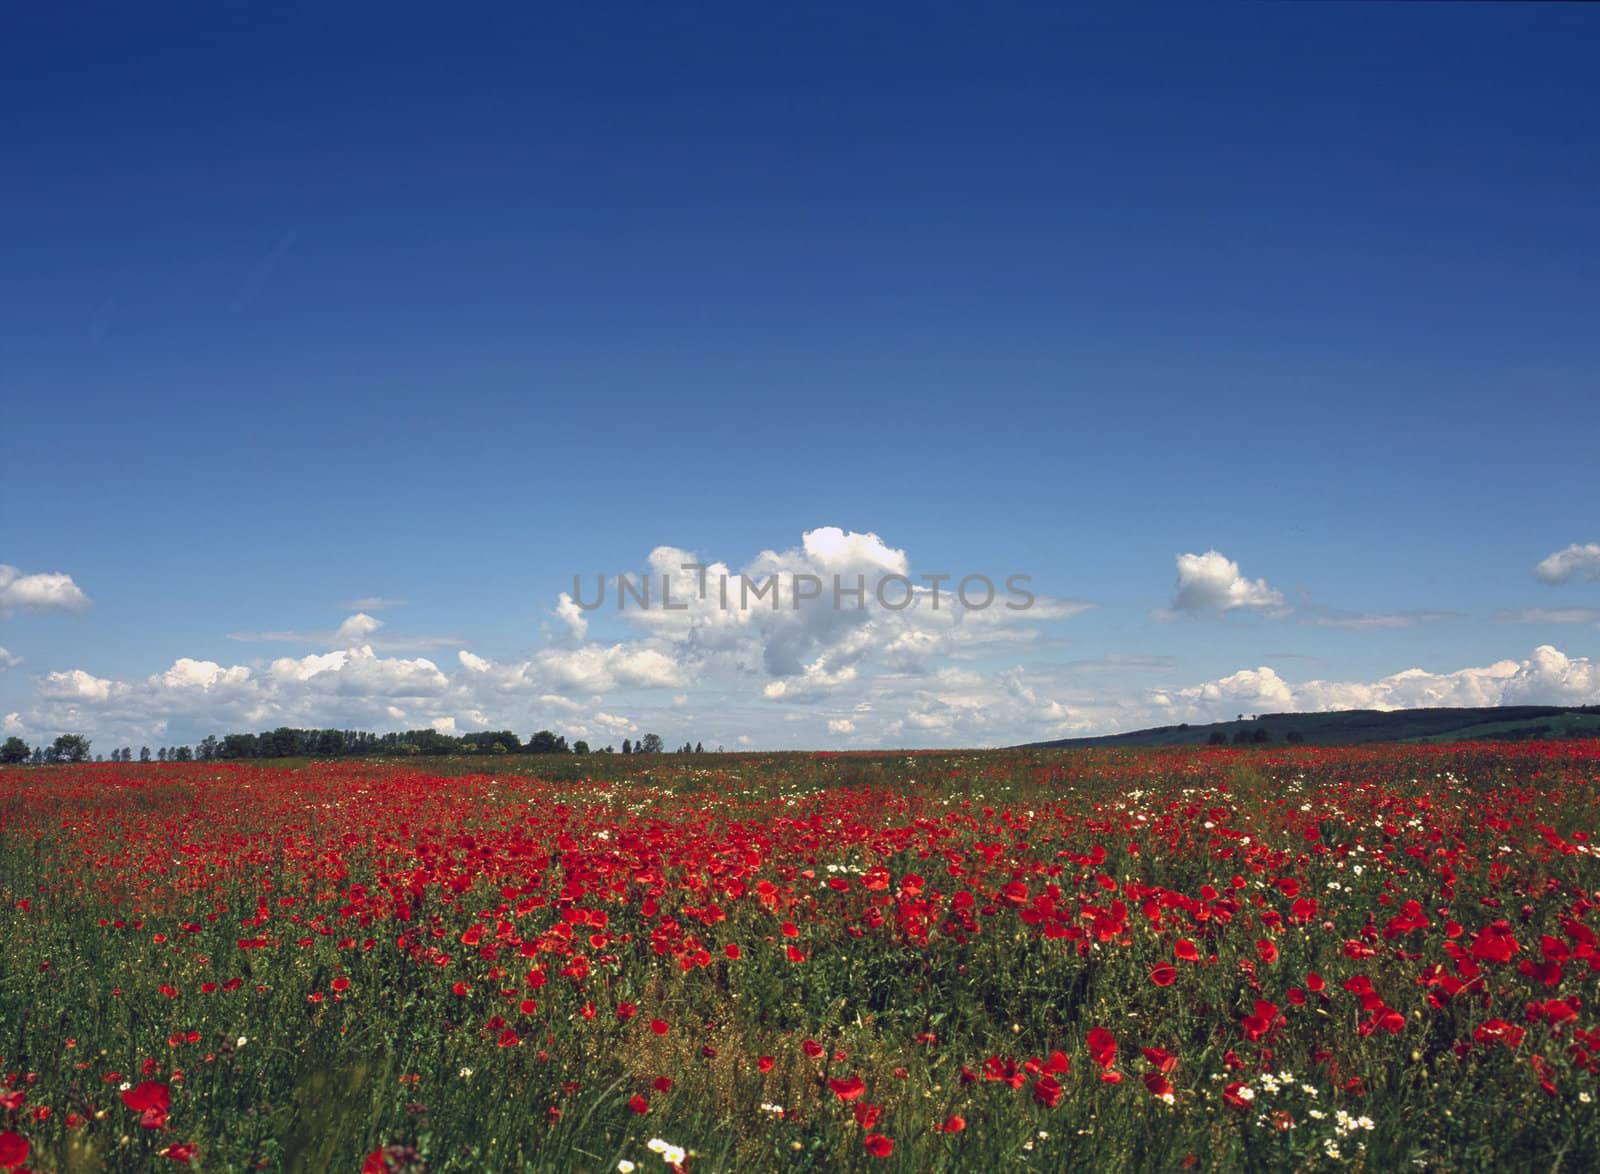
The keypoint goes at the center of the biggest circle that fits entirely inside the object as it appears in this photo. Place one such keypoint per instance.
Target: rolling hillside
(1348, 727)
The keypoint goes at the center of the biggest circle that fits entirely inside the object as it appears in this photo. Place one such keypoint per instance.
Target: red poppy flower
(1234, 1094)
(811, 1048)
(847, 1089)
(1164, 1060)
(1102, 1047)
(659, 1026)
(1163, 974)
(662, 1084)
(638, 1104)
(878, 1145)
(1185, 950)
(954, 1123)
(151, 1100)
(1499, 1031)
(1494, 943)
(13, 1150)
(1258, 1024)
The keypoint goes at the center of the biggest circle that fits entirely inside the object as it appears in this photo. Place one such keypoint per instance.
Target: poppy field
(1375, 958)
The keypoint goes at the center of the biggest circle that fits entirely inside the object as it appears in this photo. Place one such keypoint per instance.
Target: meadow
(1369, 958)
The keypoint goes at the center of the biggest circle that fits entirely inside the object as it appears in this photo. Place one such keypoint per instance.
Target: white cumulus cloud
(356, 630)
(1212, 582)
(44, 590)
(202, 674)
(1547, 677)
(599, 669)
(1575, 562)
(570, 614)
(77, 685)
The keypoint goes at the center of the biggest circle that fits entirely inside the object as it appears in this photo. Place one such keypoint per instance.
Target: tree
(627, 746)
(580, 747)
(699, 749)
(144, 754)
(14, 751)
(70, 748)
(161, 755)
(650, 744)
(181, 754)
(499, 742)
(282, 742)
(37, 757)
(210, 748)
(546, 742)
(239, 746)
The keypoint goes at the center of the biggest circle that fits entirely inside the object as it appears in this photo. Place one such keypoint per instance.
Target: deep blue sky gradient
(304, 302)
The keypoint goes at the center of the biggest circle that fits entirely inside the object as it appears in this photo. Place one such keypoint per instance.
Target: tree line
(289, 742)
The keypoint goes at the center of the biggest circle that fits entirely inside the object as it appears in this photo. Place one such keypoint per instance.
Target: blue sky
(300, 310)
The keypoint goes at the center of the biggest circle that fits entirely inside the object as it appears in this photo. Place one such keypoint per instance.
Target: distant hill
(1351, 726)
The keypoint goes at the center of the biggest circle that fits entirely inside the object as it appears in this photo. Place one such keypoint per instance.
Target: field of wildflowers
(1373, 958)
